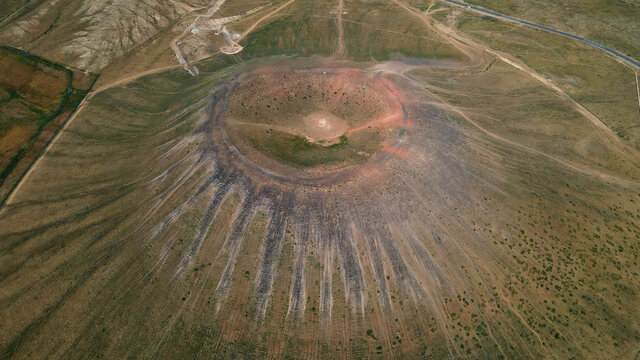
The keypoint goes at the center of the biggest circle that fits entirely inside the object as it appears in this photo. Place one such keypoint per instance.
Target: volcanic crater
(314, 121)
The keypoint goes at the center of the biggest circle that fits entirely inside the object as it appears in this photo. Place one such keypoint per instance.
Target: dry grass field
(36, 98)
(365, 179)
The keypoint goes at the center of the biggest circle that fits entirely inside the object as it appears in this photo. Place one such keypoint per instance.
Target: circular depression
(312, 123)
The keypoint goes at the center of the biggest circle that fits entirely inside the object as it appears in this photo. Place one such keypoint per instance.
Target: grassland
(500, 223)
(37, 98)
(298, 151)
(607, 22)
(595, 80)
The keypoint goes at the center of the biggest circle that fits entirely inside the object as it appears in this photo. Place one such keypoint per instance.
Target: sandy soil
(323, 125)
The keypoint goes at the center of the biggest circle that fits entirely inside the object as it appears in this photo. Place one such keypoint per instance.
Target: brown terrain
(37, 98)
(359, 180)
(351, 112)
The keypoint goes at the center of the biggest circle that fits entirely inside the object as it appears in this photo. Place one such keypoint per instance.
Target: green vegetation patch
(296, 150)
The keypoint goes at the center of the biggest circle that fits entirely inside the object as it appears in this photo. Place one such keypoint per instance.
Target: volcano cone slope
(390, 190)
(323, 209)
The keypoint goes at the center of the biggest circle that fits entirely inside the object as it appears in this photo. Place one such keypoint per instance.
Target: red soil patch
(358, 111)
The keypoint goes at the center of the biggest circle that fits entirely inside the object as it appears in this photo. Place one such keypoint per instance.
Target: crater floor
(310, 122)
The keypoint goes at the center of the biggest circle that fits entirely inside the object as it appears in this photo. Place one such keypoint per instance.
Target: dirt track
(473, 50)
(638, 89)
(340, 50)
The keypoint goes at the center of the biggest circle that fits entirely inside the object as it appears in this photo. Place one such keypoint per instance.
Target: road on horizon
(541, 27)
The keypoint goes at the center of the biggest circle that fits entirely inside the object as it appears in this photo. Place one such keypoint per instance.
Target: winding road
(541, 27)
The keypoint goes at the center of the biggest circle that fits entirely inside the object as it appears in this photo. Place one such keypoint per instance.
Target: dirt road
(340, 50)
(638, 89)
(250, 28)
(472, 48)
